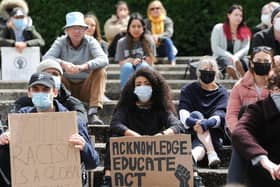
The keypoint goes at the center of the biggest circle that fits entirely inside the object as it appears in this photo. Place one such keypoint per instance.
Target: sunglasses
(154, 8)
(262, 48)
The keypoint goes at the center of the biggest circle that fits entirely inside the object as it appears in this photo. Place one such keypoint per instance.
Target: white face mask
(144, 93)
(265, 18)
(57, 81)
(276, 25)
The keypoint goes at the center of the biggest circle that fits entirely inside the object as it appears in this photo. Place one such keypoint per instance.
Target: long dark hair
(231, 9)
(243, 32)
(143, 38)
(264, 49)
(161, 96)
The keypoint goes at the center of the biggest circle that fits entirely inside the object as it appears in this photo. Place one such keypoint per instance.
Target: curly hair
(161, 96)
(274, 78)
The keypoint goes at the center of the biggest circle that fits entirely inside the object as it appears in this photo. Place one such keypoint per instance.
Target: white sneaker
(213, 160)
(106, 99)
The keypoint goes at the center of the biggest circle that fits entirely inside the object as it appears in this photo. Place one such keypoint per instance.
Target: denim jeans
(166, 48)
(128, 69)
(224, 61)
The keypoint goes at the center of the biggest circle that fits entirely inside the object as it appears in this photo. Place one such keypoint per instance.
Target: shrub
(193, 19)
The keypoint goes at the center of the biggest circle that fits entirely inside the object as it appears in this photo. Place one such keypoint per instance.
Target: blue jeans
(128, 69)
(166, 49)
(224, 61)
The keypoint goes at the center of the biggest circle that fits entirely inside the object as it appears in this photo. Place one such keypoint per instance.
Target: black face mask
(207, 76)
(262, 68)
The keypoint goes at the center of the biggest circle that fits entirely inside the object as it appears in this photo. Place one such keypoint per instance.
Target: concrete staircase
(175, 76)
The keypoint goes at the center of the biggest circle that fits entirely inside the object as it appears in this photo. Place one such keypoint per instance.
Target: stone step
(105, 114)
(210, 177)
(13, 94)
(114, 85)
(9, 92)
(159, 67)
(100, 132)
(166, 74)
(13, 84)
(164, 60)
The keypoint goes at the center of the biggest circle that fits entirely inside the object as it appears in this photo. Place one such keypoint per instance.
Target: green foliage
(193, 19)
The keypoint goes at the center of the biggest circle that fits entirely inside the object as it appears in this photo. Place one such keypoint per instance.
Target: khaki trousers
(90, 90)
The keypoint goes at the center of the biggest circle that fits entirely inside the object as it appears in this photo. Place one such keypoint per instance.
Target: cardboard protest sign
(39, 150)
(19, 66)
(152, 161)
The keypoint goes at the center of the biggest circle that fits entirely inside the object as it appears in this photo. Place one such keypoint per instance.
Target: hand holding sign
(78, 141)
(20, 46)
(4, 138)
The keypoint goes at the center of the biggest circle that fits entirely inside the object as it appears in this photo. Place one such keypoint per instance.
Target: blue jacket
(89, 155)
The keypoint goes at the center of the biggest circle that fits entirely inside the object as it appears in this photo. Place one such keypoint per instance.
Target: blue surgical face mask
(144, 93)
(19, 23)
(57, 82)
(41, 100)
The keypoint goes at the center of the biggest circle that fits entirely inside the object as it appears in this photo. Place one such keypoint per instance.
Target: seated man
(64, 96)
(19, 32)
(41, 89)
(83, 61)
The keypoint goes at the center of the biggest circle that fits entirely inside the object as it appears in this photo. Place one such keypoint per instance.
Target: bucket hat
(75, 19)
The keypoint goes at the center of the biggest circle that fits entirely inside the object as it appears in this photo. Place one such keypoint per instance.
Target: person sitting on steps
(230, 43)
(83, 61)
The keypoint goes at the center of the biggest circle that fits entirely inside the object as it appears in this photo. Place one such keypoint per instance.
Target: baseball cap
(41, 78)
(17, 12)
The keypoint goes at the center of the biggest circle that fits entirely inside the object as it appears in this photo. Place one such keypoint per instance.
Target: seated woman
(145, 108)
(115, 27)
(136, 49)
(94, 30)
(202, 109)
(250, 89)
(256, 137)
(230, 43)
(266, 12)
(161, 27)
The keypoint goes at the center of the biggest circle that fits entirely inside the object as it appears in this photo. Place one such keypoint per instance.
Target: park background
(193, 19)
